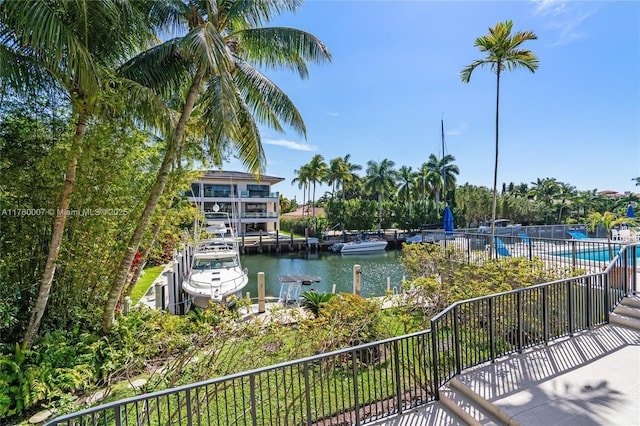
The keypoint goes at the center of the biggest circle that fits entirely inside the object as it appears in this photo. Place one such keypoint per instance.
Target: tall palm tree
(545, 190)
(380, 180)
(407, 179)
(337, 169)
(302, 179)
(317, 174)
(69, 49)
(426, 178)
(503, 52)
(443, 175)
(210, 72)
(349, 176)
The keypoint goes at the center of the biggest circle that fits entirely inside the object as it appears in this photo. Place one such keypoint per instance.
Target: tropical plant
(69, 49)
(608, 221)
(441, 171)
(407, 183)
(210, 72)
(302, 179)
(313, 300)
(503, 53)
(350, 177)
(380, 180)
(317, 174)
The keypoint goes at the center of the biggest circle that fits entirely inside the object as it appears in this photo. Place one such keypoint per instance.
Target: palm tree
(607, 220)
(302, 179)
(210, 72)
(426, 178)
(503, 52)
(545, 190)
(69, 49)
(335, 174)
(349, 176)
(407, 183)
(317, 174)
(442, 173)
(380, 179)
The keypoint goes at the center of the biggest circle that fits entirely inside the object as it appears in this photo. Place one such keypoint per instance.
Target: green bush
(313, 300)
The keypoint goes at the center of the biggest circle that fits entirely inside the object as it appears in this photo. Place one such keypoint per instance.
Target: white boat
(363, 246)
(502, 227)
(216, 272)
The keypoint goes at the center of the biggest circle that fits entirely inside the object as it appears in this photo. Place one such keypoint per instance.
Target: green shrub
(313, 300)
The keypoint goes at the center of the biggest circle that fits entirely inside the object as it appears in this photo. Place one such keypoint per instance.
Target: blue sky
(396, 72)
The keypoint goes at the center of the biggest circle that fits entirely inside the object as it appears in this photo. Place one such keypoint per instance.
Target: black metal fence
(369, 382)
(588, 255)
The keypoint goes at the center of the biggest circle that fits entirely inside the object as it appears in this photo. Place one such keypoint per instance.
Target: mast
(444, 176)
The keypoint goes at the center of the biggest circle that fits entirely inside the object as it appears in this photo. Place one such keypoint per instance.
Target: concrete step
(471, 408)
(631, 301)
(627, 313)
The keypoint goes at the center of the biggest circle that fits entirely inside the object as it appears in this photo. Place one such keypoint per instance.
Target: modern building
(251, 204)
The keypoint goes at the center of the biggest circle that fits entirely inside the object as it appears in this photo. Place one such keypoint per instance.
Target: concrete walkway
(592, 378)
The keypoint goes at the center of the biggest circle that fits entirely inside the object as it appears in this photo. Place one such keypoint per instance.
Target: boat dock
(269, 243)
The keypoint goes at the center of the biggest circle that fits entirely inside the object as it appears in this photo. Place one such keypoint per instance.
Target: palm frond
(267, 101)
(281, 48)
(163, 68)
(236, 15)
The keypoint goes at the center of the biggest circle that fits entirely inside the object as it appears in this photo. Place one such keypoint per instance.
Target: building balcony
(259, 215)
(252, 194)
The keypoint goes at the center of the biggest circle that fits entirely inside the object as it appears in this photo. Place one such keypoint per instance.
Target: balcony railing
(259, 215)
(370, 382)
(250, 194)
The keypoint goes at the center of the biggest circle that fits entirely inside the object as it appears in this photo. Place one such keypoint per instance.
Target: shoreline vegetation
(151, 350)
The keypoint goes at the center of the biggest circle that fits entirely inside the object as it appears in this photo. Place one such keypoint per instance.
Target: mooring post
(357, 272)
(261, 292)
(388, 283)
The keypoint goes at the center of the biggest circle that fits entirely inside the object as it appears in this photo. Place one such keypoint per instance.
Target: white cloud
(333, 114)
(565, 18)
(460, 129)
(296, 146)
(550, 7)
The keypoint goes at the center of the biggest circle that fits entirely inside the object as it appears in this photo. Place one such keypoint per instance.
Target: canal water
(330, 267)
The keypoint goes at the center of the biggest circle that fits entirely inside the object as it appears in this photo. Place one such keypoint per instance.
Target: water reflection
(332, 268)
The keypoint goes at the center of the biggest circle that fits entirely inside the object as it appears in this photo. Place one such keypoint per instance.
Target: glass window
(217, 190)
(258, 190)
(195, 190)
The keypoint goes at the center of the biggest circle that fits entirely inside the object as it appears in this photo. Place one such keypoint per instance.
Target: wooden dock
(267, 244)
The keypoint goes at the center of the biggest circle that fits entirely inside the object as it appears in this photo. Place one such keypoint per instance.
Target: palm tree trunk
(143, 259)
(152, 202)
(379, 212)
(57, 234)
(495, 169)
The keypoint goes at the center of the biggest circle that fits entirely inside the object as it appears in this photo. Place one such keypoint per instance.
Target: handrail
(375, 380)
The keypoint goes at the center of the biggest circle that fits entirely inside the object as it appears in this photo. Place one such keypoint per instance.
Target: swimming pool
(596, 255)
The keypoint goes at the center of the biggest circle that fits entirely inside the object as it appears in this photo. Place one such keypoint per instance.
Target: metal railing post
(396, 357)
(307, 392)
(570, 307)
(587, 301)
(456, 339)
(492, 328)
(189, 411)
(520, 322)
(434, 347)
(545, 314)
(252, 400)
(356, 399)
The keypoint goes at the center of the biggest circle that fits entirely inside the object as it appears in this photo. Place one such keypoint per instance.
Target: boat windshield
(223, 262)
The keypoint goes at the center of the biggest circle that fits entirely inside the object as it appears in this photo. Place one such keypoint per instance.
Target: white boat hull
(359, 247)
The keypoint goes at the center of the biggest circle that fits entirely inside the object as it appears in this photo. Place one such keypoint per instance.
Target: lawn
(143, 284)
